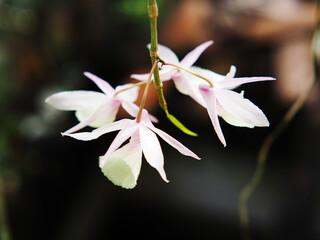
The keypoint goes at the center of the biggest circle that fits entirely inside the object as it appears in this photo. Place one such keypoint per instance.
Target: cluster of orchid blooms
(121, 163)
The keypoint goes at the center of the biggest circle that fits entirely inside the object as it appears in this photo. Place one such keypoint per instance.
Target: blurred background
(52, 186)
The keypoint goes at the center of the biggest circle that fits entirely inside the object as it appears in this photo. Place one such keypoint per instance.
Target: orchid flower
(220, 100)
(168, 72)
(121, 165)
(96, 109)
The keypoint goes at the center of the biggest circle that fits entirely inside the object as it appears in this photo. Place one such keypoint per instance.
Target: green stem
(271, 138)
(153, 15)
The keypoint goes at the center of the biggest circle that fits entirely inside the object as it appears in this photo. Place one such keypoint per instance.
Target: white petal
(121, 137)
(102, 84)
(241, 109)
(188, 84)
(212, 76)
(75, 100)
(152, 150)
(129, 95)
(235, 82)
(133, 110)
(141, 77)
(94, 116)
(174, 143)
(209, 97)
(166, 54)
(87, 136)
(165, 74)
(123, 166)
(98, 116)
(192, 56)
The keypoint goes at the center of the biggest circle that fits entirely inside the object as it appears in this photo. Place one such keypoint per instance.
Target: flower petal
(75, 100)
(242, 109)
(165, 74)
(130, 128)
(209, 97)
(232, 83)
(215, 78)
(152, 150)
(87, 136)
(174, 143)
(133, 110)
(98, 116)
(166, 54)
(123, 166)
(129, 95)
(102, 84)
(188, 84)
(192, 56)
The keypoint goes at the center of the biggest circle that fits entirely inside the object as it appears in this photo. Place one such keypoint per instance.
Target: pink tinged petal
(102, 84)
(209, 97)
(133, 110)
(99, 116)
(244, 113)
(121, 137)
(123, 166)
(152, 150)
(166, 54)
(141, 77)
(188, 84)
(174, 143)
(165, 74)
(129, 95)
(106, 111)
(75, 100)
(87, 136)
(235, 82)
(192, 56)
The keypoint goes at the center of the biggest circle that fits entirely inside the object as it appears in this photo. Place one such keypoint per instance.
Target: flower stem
(188, 71)
(270, 139)
(145, 93)
(153, 15)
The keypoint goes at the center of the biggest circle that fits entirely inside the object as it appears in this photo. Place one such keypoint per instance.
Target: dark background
(53, 187)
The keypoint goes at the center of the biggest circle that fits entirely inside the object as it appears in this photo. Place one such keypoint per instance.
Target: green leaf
(179, 125)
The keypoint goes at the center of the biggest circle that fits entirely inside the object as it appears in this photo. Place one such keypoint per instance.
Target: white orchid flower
(96, 109)
(121, 165)
(220, 100)
(170, 72)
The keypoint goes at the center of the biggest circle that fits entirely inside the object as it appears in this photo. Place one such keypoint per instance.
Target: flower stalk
(153, 15)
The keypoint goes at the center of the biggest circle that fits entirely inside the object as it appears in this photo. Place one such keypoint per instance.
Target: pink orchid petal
(87, 136)
(121, 137)
(235, 82)
(166, 54)
(106, 110)
(209, 97)
(243, 109)
(102, 84)
(152, 150)
(129, 95)
(192, 56)
(133, 110)
(188, 84)
(174, 143)
(75, 100)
